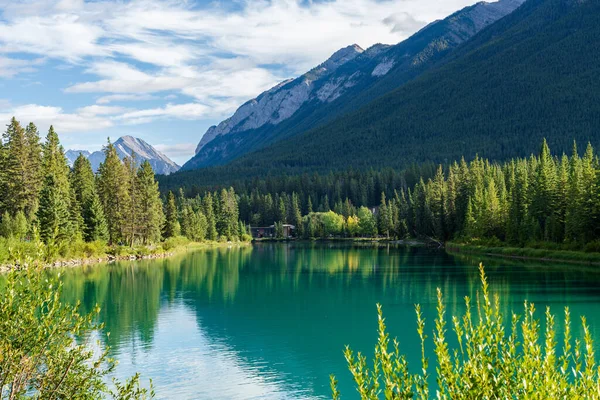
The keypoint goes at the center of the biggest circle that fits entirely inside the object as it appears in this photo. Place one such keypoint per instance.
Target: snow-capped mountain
(126, 146)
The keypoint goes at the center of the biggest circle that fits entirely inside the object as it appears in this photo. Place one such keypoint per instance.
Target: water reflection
(270, 321)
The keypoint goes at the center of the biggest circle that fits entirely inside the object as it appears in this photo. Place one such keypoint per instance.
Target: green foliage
(151, 217)
(172, 227)
(174, 242)
(489, 360)
(112, 189)
(46, 348)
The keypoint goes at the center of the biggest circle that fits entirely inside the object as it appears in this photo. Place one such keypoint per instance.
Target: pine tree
(112, 189)
(383, 217)
(82, 180)
(543, 195)
(296, 215)
(171, 227)
(588, 206)
(573, 220)
(55, 214)
(211, 226)
(151, 215)
(34, 173)
(133, 225)
(15, 168)
(95, 226)
(438, 204)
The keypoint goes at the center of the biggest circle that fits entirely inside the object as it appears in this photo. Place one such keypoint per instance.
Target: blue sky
(166, 70)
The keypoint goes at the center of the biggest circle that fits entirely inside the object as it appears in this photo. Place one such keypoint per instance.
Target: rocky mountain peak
(126, 146)
(342, 56)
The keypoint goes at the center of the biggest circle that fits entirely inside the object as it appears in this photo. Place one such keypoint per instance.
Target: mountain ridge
(126, 146)
(352, 84)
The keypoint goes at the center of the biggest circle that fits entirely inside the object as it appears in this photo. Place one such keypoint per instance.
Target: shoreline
(526, 253)
(110, 258)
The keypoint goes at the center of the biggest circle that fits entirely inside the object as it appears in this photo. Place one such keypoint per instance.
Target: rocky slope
(348, 80)
(126, 146)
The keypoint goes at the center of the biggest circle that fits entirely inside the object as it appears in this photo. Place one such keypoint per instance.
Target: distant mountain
(349, 79)
(126, 146)
(73, 154)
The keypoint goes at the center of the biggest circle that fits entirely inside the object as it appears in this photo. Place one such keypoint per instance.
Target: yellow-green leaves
(488, 362)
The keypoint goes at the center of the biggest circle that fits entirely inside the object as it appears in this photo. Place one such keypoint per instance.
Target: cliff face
(280, 102)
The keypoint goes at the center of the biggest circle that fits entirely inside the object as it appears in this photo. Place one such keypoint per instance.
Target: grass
(13, 251)
(541, 253)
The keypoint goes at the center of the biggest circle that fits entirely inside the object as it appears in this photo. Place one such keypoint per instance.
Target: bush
(39, 357)
(487, 363)
(592, 247)
(94, 249)
(175, 242)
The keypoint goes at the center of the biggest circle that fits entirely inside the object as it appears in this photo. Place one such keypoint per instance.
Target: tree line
(43, 200)
(539, 198)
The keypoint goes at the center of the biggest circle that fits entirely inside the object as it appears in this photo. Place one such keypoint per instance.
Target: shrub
(488, 363)
(44, 345)
(174, 242)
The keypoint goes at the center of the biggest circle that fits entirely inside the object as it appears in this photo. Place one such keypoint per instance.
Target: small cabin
(259, 232)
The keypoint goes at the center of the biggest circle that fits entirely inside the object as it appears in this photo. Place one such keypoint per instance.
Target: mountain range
(126, 146)
(350, 78)
(531, 74)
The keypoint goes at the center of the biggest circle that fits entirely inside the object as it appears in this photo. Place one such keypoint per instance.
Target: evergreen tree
(95, 226)
(34, 175)
(383, 217)
(112, 189)
(53, 213)
(56, 215)
(151, 217)
(171, 227)
(211, 225)
(133, 214)
(543, 200)
(296, 215)
(15, 188)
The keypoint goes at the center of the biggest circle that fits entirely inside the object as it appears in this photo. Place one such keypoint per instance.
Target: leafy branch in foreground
(46, 346)
(488, 363)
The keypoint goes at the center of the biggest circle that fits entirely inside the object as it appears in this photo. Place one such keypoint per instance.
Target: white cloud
(9, 67)
(179, 150)
(99, 110)
(44, 116)
(124, 97)
(183, 44)
(189, 111)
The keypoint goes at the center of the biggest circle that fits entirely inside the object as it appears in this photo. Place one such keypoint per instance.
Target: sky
(165, 70)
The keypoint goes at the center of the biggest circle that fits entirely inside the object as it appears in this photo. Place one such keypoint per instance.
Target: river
(270, 321)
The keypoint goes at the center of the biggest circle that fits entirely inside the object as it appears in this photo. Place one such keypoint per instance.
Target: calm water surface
(271, 321)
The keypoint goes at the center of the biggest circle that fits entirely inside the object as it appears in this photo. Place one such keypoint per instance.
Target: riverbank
(524, 253)
(406, 242)
(126, 253)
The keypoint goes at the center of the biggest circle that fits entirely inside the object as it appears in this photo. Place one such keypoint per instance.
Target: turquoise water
(271, 321)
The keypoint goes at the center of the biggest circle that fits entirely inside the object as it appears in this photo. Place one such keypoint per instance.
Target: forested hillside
(350, 85)
(530, 75)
